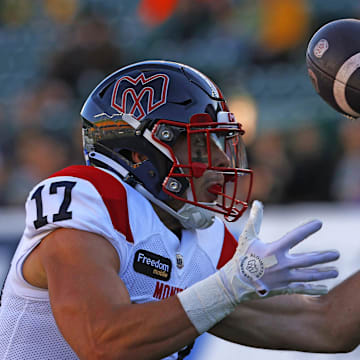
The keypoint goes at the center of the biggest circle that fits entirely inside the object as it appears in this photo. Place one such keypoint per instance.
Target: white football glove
(269, 269)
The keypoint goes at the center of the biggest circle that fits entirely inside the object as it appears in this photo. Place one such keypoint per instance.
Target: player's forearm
(134, 331)
(267, 322)
(154, 330)
(327, 324)
(342, 326)
(282, 322)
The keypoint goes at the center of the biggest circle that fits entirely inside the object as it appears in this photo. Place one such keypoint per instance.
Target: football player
(129, 257)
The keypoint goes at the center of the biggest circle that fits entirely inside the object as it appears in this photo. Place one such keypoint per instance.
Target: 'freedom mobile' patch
(153, 265)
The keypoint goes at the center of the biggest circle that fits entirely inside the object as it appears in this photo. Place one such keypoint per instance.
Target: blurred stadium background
(305, 156)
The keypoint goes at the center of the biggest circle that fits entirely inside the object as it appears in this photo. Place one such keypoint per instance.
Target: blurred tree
(61, 11)
(284, 24)
(16, 12)
(87, 55)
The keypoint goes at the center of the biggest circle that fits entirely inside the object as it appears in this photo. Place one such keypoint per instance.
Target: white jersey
(154, 264)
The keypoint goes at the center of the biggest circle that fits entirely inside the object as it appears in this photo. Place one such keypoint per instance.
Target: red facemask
(215, 150)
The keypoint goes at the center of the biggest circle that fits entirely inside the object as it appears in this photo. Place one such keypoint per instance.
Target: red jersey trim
(228, 249)
(111, 191)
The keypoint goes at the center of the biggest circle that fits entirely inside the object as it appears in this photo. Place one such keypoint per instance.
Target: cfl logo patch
(179, 261)
(252, 267)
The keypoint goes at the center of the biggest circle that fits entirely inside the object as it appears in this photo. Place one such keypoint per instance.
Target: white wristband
(206, 302)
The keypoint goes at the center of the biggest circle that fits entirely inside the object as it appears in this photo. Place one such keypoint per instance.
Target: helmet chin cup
(195, 217)
(191, 217)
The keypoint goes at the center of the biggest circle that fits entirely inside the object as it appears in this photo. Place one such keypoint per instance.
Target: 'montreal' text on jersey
(163, 291)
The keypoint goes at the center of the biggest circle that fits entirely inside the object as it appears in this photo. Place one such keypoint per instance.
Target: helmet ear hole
(138, 158)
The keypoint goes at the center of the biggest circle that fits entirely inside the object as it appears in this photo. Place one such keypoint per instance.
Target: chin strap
(190, 216)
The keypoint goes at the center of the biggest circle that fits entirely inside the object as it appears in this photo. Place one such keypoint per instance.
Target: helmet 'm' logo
(140, 96)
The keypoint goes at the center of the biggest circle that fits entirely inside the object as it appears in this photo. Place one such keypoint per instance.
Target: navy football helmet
(145, 108)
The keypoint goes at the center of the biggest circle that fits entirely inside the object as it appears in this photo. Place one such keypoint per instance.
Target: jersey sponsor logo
(153, 265)
(140, 96)
(163, 291)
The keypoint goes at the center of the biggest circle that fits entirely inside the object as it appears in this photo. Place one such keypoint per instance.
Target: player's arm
(93, 311)
(92, 307)
(329, 323)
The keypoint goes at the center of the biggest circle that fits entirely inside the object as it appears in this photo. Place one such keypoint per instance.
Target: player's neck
(169, 221)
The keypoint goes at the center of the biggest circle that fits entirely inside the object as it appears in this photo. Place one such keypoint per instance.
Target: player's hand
(257, 269)
(268, 269)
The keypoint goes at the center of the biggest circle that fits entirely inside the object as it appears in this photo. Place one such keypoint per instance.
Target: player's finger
(253, 223)
(314, 274)
(252, 226)
(308, 289)
(314, 258)
(256, 215)
(298, 234)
